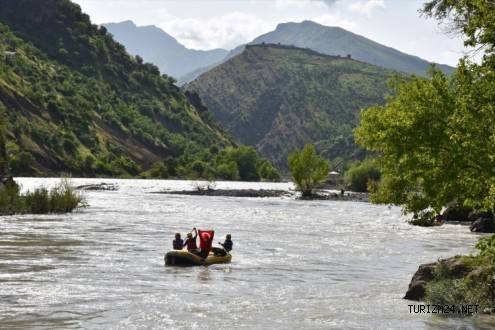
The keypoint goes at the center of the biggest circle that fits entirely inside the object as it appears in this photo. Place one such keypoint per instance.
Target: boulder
(416, 290)
(456, 213)
(482, 225)
(456, 269)
(475, 215)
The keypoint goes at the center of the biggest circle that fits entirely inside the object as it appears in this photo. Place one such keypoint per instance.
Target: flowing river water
(296, 264)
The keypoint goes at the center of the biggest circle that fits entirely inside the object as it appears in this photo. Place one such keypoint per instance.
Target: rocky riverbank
(456, 281)
(322, 195)
(233, 192)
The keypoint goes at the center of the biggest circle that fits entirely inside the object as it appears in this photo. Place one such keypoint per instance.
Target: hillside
(73, 100)
(156, 46)
(278, 98)
(334, 41)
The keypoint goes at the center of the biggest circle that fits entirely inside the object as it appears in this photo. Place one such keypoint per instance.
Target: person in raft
(227, 246)
(205, 244)
(190, 241)
(178, 243)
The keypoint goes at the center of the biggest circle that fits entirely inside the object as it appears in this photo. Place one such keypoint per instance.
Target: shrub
(445, 289)
(361, 175)
(38, 201)
(10, 201)
(486, 246)
(62, 198)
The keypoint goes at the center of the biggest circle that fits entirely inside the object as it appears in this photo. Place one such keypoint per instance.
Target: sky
(210, 24)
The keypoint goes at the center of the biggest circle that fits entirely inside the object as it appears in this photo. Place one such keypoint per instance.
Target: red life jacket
(191, 243)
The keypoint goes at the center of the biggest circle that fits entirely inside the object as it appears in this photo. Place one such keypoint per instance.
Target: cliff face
(278, 98)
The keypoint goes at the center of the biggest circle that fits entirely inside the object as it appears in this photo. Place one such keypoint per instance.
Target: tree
(435, 138)
(247, 160)
(472, 18)
(308, 170)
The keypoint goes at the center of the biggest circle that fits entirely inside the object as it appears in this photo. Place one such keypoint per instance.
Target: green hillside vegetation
(76, 102)
(278, 98)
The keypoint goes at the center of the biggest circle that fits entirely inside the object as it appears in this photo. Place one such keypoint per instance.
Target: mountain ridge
(279, 97)
(156, 46)
(307, 34)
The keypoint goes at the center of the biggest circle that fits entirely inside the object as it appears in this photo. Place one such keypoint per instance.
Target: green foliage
(305, 96)
(361, 175)
(241, 163)
(486, 246)
(3, 142)
(87, 99)
(446, 289)
(267, 171)
(473, 18)
(228, 171)
(38, 201)
(308, 170)
(158, 170)
(63, 198)
(432, 139)
(10, 200)
(247, 161)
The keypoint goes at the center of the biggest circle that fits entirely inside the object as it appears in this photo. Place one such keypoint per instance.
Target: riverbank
(322, 195)
(203, 189)
(455, 282)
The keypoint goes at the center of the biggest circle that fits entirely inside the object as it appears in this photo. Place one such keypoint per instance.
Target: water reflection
(204, 274)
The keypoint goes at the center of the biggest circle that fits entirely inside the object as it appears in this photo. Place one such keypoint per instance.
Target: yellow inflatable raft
(185, 258)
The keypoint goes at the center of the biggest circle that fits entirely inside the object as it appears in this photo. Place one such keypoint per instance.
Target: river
(296, 264)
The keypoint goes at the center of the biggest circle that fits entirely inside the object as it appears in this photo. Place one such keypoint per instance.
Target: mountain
(72, 100)
(156, 46)
(278, 98)
(334, 41)
(337, 41)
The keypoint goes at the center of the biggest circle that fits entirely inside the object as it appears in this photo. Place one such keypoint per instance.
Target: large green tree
(435, 137)
(308, 170)
(472, 19)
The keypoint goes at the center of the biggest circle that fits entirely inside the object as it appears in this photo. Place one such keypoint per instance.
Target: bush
(62, 198)
(448, 289)
(38, 201)
(10, 201)
(486, 246)
(361, 175)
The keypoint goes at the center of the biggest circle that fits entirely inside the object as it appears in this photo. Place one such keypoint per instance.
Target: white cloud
(329, 3)
(335, 20)
(297, 4)
(227, 31)
(367, 8)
